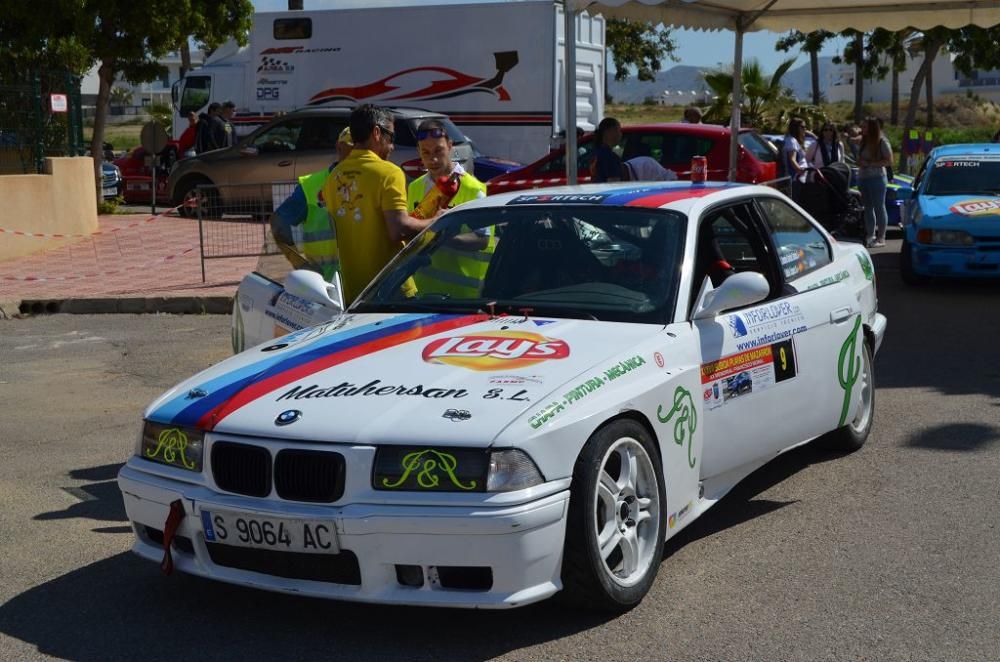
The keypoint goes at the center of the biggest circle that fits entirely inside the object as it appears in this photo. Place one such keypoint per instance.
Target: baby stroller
(827, 196)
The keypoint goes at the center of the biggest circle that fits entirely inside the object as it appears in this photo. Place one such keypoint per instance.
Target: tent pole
(734, 122)
(569, 76)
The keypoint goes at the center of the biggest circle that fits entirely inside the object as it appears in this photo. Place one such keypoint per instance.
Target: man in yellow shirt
(365, 196)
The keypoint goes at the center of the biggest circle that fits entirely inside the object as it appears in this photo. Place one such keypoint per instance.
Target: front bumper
(521, 544)
(978, 261)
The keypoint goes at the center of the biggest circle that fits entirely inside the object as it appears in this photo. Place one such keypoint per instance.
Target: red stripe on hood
(259, 389)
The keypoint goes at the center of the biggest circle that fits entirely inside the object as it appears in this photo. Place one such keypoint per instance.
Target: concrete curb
(191, 305)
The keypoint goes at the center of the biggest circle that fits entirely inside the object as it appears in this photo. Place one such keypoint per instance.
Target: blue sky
(703, 49)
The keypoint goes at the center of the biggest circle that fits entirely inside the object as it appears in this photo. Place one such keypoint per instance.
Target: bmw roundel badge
(288, 417)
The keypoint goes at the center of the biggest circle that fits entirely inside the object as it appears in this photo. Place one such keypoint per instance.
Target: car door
(317, 145)
(270, 154)
(766, 375)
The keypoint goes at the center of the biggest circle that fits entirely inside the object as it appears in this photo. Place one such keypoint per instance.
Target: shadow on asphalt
(100, 500)
(183, 617)
(956, 437)
(940, 336)
(740, 505)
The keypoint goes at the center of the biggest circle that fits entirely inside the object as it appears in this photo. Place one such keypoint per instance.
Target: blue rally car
(951, 215)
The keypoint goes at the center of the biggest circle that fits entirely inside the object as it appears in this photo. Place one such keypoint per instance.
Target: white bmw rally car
(628, 356)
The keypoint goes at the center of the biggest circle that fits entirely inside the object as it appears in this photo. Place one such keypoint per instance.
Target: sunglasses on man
(388, 132)
(431, 133)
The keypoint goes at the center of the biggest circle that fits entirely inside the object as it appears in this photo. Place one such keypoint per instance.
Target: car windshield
(960, 175)
(587, 262)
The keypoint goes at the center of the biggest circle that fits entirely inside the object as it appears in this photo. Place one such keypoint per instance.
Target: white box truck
(495, 67)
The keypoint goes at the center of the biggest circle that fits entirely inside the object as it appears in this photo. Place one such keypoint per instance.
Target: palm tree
(762, 95)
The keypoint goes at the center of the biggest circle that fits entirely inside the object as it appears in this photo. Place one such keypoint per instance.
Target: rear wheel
(852, 436)
(614, 532)
(186, 198)
(909, 276)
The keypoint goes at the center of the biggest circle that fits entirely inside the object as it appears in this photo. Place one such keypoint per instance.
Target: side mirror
(248, 151)
(904, 193)
(310, 286)
(736, 291)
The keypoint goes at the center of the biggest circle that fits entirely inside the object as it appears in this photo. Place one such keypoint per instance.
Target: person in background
(226, 135)
(458, 268)
(186, 142)
(205, 139)
(647, 169)
(827, 148)
(692, 115)
(607, 164)
(795, 154)
(874, 154)
(366, 198)
(852, 138)
(305, 207)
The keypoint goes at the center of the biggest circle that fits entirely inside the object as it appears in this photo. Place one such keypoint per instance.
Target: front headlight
(424, 469)
(172, 445)
(951, 238)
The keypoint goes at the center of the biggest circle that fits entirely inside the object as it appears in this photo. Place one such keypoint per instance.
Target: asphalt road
(887, 554)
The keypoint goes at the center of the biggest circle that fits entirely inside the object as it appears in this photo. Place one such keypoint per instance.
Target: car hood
(977, 214)
(454, 380)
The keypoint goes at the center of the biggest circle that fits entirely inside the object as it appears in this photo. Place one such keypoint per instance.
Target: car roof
(967, 148)
(678, 196)
(338, 111)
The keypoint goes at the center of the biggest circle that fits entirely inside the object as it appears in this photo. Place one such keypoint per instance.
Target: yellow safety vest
(452, 271)
(319, 239)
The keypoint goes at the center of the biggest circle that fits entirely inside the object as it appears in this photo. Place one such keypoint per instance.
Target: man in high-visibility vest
(305, 207)
(457, 268)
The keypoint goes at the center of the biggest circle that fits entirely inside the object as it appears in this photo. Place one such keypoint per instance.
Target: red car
(672, 145)
(138, 177)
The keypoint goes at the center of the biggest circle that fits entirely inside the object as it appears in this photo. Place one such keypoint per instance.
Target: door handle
(284, 163)
(841, 315)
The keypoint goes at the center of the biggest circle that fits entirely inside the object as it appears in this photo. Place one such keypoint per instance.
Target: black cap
(228, 104)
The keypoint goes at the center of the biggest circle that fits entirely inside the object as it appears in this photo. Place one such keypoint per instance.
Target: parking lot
(886, 554)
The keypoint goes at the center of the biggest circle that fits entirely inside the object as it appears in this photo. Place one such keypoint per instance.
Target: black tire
(906, 272)
(587, 578)
(852, 436)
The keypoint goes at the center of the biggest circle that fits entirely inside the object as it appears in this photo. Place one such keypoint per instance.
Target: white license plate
(110, 191)
(280, 534)
(138, 186)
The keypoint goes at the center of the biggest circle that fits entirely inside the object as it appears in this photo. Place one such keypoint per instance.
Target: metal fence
(41, 115)
(233, 220)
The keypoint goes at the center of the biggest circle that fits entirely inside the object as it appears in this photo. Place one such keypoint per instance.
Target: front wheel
(615, 528)
(852, 436)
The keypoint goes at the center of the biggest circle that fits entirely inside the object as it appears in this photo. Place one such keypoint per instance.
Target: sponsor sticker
(751, 371)
(559, 199)
(977, 207)
(495, 350)
(658, 358)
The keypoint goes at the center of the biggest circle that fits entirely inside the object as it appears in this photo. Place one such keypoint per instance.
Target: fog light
(410, 575)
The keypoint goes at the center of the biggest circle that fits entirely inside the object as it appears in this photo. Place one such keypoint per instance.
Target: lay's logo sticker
(984, 207)
(498, 350)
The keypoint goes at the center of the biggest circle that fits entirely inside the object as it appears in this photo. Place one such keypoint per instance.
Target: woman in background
(874, 154)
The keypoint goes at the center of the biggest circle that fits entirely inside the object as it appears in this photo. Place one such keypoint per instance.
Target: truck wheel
(852, 436)
(615, 527)
(909, 276)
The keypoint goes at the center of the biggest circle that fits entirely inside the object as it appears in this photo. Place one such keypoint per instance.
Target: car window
(320, 133)
(197, 90)
(801, 247)
(679, 148)
(643, 144)
(292, 28)
(281, 137)
(582, 261)
(920, 175)
(728, 243)
(761, 149)
(556, 167)
(974, 174)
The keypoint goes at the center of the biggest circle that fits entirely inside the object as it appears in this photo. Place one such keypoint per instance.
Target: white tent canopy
(776, 15)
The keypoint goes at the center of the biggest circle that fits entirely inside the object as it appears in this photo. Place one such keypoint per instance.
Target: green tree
(890, 48)
(121, 96)
(121, 37)
(638, 44)
(763, 95)
(811, 43)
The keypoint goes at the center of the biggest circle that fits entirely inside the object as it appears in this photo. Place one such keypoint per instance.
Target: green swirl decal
(172, 443)
(866, 266)
(430, 463)
(848, 368)
(687, 420)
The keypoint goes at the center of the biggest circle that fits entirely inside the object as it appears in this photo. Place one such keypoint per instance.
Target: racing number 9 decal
(783, 356)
